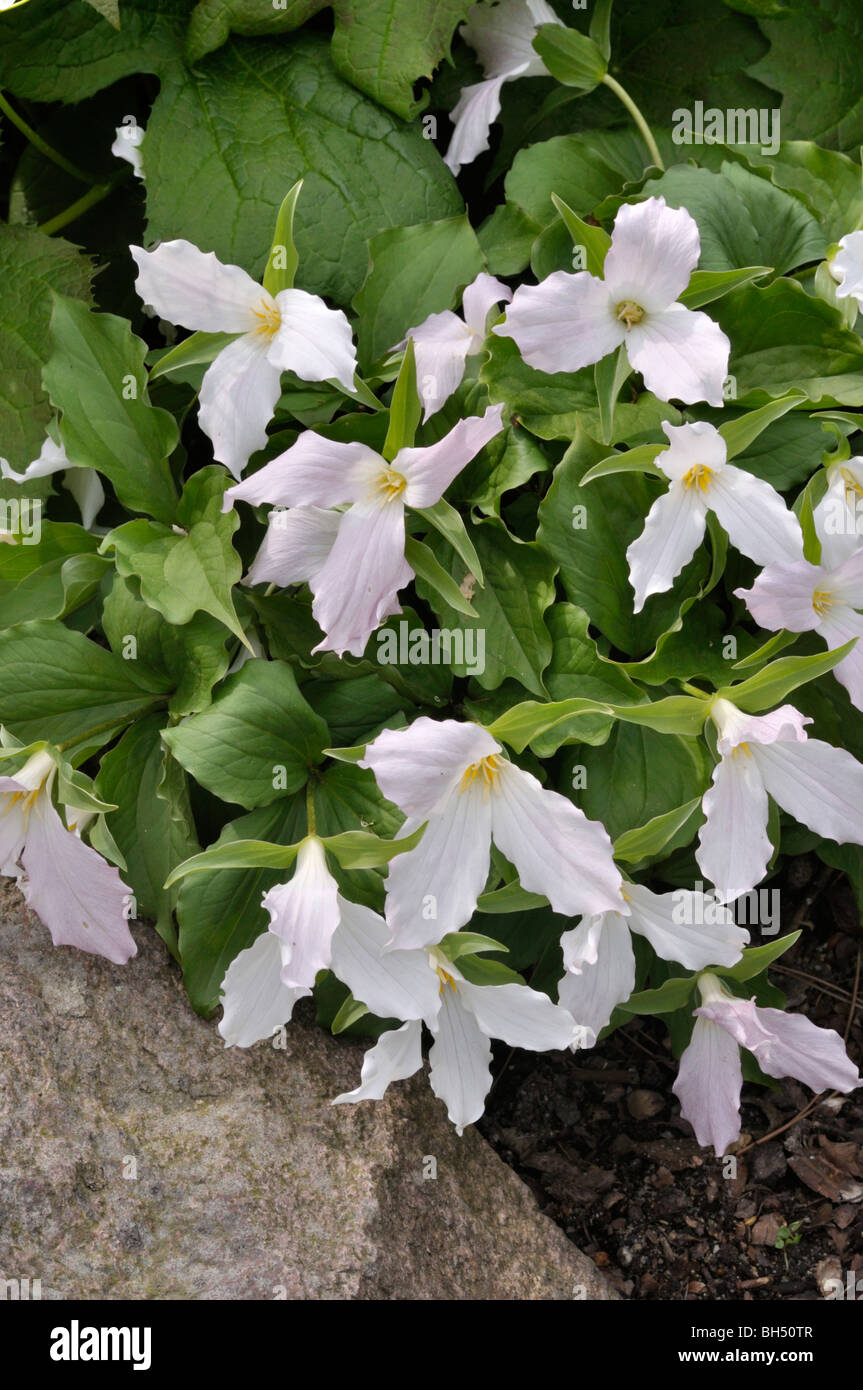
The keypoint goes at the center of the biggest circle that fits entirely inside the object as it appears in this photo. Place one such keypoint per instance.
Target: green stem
(77, 209)
(310, 807)
(646, 133)
(693, 690)
(42, 145)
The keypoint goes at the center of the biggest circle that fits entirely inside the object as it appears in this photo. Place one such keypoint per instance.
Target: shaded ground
(599, 1139)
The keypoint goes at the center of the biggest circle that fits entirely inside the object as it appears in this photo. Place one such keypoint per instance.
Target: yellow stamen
(28, 798)
(629, 313)
(485, 771)
(445, 979)
(742, 748)
(270, 320)
(851, 483)
(391, 483)
(699, 476)
(822, 599)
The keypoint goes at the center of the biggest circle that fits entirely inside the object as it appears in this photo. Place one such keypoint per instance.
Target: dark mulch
(599, 1139)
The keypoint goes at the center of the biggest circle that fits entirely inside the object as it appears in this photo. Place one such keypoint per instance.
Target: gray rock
(141, 1159)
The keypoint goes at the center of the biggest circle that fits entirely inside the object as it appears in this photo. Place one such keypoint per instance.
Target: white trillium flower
(291, 331)
(846, 268)
(127, 145)
(354, 560)
(84, 484)
(752, 513)
(570, 321)
(455, 777)
(709, 1082)
(838, 517)
(771, 754)
(443, 342)
(688, 927)
(76, 893)
(802, 597)
(462, 1017)
(502, 38)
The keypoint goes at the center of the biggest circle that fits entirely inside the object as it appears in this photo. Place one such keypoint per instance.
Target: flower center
(851, 484)
(391, 483)
(445, 979)
(822, 599)
(28, 798)
(741, 748)
(486, 772)
(269, 319)
(699, 476)
(628, 312)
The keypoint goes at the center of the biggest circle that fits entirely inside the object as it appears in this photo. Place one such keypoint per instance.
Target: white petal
(708, 1085)
(237, 400)
(304, 913)
(52, 459)
(682, 355)
(473, 115)
(478, 298)
(313, 341)
(518, 1015)
(315, 472)
(13, 824)
(673, 530)
(592, 994)
(432, 890)
(733, 846)
(86, 487)
(418, 767)
(799, 1048)
(430, 470)
(838, 627)
(254, 1000)
(296, 546)
(847, 267)
(846, 579)
(755, 517)
(819, 785)
(460, 1060)
(565, 323)
(686, 926)
(838, 517)
(735, 726)
(127, 145)
(781, 596)
(79, 896)
(441, 344)
(392, 984)
(580, 945)
(654, 250)
(556, 849)
(357, 587)
(195, 290)
(501, 36)
(396, 1055)
(689, 445)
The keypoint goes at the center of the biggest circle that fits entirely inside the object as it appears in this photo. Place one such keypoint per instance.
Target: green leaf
(350, 1012)
(546, 403)
(31, 266)
(506, 238)
(523, 723)
(198, 348)
(609, 375)
(571, 58)
(448, 523)
(519, 587)
(827, 182)
(513, 457)
(757, 958)
(413, 272)
(479, 971)
(595, 240)
(108, 9)
(405, 407)
(283, 260)
(770, 686)
(674, 994)
(578, 671)
(581, 170)
(220, 187)
(742, 432)
(511, 898)
(236, 854)
(356, 849)
(58, 685)
(54, 590)
(462, 943)
(648, 841)
(258, 740)
(707, 285)
(181, 575)
(641, 459)
(426, 568)
(96, 377)
(806, 40)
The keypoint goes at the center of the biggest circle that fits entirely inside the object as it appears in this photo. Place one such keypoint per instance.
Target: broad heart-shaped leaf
(257, 741)
(576, 670)
(58, 588)
(58, 685)
(546, 404)
(152, 825)
(511, 636)
(31, 265)
(413, 272)
(222, 185)
(828, 183)
(638, 775)
(830, 38)
(380, 46)
(96, 377)
(784, 339)
(62, 50)
(181, 575)
(586, 530)
(192, 657)
(507, 461)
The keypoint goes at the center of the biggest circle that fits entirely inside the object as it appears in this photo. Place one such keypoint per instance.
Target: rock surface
(141, 1159)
